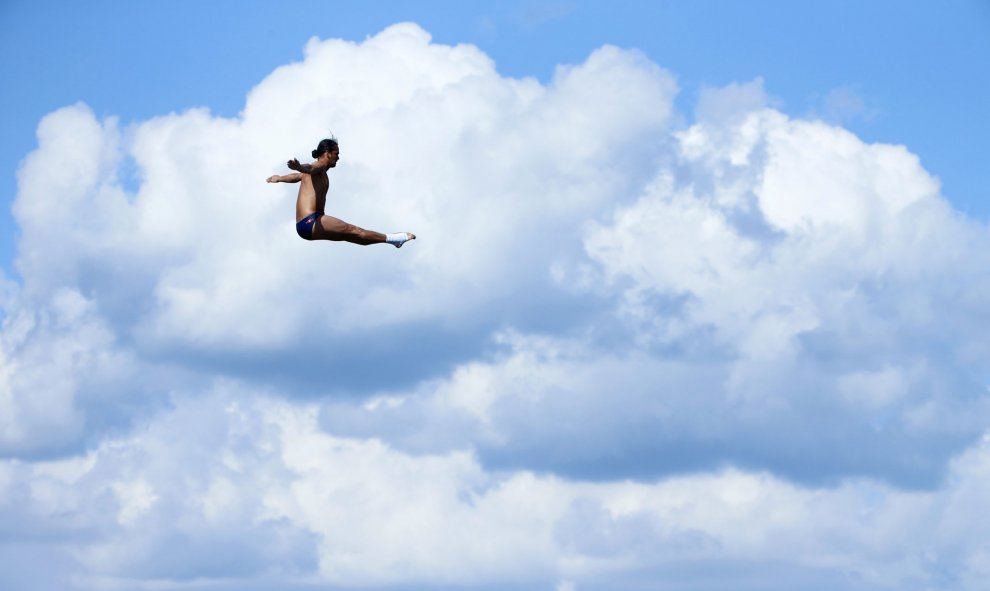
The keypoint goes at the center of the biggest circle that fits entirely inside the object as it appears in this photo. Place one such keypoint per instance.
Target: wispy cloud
(845, 105)
(544, 12)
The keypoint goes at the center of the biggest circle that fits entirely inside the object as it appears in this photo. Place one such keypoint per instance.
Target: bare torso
(312, 195)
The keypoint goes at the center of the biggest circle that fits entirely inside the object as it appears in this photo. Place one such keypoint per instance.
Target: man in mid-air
(312, 222)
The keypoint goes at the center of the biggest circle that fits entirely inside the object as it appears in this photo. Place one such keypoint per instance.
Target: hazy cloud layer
(625, 351)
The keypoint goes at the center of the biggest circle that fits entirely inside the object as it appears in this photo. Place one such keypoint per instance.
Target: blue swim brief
(304, 227)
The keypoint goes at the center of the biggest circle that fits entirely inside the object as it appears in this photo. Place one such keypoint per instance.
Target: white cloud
(56, 359)
(620, 346)
(301, 504)
(433, 140)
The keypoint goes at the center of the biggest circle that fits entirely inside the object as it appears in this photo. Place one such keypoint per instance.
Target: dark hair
(327, 145)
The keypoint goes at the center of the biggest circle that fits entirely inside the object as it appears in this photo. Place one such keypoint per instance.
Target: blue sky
(912, 68)
(699, 298)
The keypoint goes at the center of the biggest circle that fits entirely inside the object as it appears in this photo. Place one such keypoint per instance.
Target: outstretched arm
(304, 168)
(289, 178)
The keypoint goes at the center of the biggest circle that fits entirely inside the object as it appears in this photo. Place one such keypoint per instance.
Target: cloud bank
(632, 348)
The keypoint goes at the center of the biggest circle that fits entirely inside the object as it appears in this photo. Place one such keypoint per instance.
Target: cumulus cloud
(777, 282)
(624, 350)
(257, 493)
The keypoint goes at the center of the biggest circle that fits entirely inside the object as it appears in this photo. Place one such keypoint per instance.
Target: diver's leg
(330, 228)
